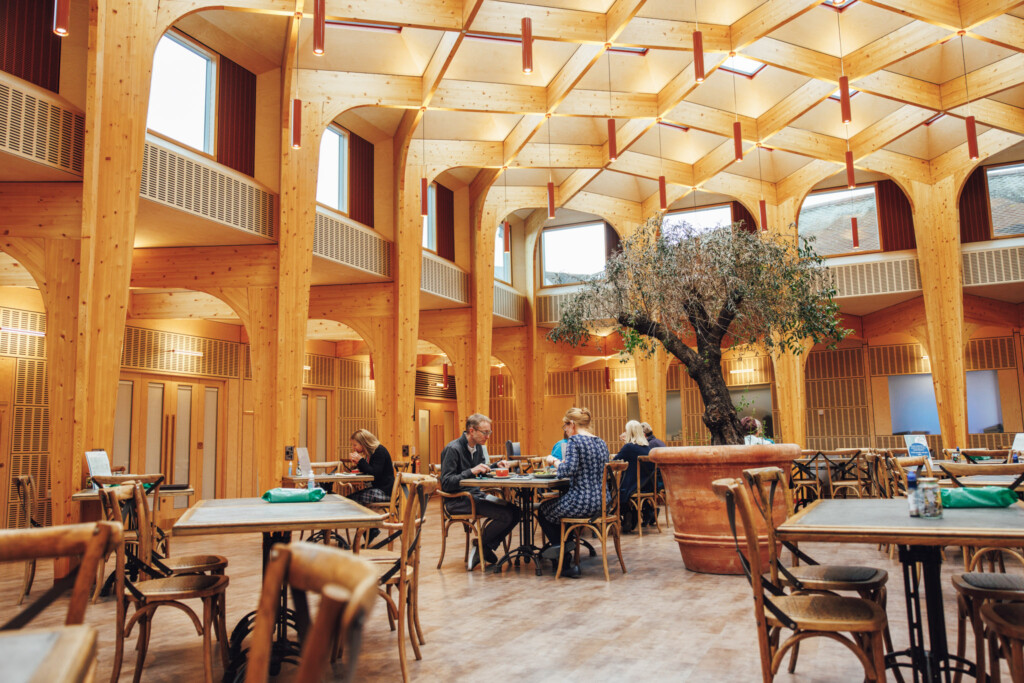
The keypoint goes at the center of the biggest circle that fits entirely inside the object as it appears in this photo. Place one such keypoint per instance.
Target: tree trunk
(719, 413)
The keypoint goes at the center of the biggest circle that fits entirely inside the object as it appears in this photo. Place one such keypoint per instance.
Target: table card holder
(1018, 443)
(304, 467)
(99, 464)
(917, 444)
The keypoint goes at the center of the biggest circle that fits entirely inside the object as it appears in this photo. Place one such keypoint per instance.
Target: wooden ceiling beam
(800, 181)
(893, 47)
(980, 309)
(596, 103)
(741, 187)
(713, 162)
(809, 144)
(794, 58)
(977, 12)
(342, 302)
(489, 97)
(178, 305)
(618, 17)
(666, 34)
(995, 114)
(442, 59)
(955, 160)
(1005, 31)
(574, 184)
(707, 119)
(894, 86)
(766, 18)
(536, 155)
(897, 318)
(983, 82)
(646, 166)
(50, 210)
(549, 23)
(942, 13)
(336, 89)
(888, 128)
(620, 212)
(792, 107)
(202, 268)
(896, 165)
(519, 136)
(570, 74)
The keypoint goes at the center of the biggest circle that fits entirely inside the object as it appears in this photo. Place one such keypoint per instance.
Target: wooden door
(316, 428)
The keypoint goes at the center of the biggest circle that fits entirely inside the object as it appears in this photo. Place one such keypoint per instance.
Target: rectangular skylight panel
(743, 66)
(835, 95)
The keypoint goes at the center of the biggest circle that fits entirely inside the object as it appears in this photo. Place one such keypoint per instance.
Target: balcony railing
(443, 278)
(343, 241)
(508, 303)
(36, 125)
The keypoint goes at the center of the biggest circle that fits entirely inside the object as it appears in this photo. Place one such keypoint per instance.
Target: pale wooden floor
(658, 622)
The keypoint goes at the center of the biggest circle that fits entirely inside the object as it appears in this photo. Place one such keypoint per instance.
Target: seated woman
(370, 457)
(583, 461)
(635, 445)
(754, 432)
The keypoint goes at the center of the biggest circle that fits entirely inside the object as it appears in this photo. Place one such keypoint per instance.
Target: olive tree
(696, 293)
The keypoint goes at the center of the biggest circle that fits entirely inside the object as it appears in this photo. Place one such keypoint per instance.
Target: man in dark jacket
(464, 458)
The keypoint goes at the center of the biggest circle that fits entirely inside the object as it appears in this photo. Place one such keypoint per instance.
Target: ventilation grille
(876, 277)
(990, 354)
(30, 388)
(321, 371)
(508, 303)
(22, 345)
(38, 465)
(151, 350)
(344, 243)
(183, 183)
(444, 279)
(904, 359)
(549, 307)
(426, 385)
(993, 266)
(41, 131)
(357, 407)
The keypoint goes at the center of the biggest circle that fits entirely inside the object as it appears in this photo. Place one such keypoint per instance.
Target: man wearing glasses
(464, 458)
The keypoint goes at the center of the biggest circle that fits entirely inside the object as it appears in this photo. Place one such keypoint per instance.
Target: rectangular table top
(868, 520)
(977, 480)
(325, 478)
(92, 494)
(513, 482)
(64, 653)
(247, 515)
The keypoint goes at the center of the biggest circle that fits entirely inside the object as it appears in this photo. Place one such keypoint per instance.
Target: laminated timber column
(937, 228)
(791, 392)
(536, 356)
(122, 39)
(484, 222)
(400, 358)
(651, 380)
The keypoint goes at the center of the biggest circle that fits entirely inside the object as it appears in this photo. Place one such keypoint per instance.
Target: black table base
(933, 664)
(526, 551)
(282, 649)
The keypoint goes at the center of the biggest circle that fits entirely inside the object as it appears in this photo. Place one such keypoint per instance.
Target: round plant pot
(699, 517)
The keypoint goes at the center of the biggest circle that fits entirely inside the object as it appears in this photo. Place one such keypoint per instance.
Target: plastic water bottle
(311, 482)
(289, 469)
(913, 499)
(956, 455)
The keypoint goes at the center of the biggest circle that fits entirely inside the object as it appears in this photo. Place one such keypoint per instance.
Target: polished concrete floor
(658, 622)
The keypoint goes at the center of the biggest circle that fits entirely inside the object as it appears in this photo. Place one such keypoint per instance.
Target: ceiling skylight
(742, 66)
(839, 5)
(835, 95)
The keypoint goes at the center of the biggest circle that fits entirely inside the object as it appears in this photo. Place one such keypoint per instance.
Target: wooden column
(791, 392)
(408, 265)
(937, 227)
(651, 379)
(484, 224)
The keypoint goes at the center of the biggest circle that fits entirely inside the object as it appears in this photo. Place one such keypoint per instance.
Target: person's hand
(551, 460)
(482, 468)
(504, 463)
(355, 457)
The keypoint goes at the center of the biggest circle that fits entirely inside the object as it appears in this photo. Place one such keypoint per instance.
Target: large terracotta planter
(699, 517)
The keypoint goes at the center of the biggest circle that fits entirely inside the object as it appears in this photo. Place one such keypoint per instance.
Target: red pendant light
(698, 56)
(737, 140)
(319, 26)
(851, 182)
(507, 235)
(61, 17)
(501, 384)
(972, 138)
(662, 193)
(613, 148)
(762, 207)
(844, 98)
(856, 236)
(424, 197)
(607, 378)
(551, 199)
(445, 375)
(527, 45)
(371, 368)
(296, 124)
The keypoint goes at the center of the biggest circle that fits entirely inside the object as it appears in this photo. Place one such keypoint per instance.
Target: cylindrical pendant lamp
(844, 98)
(698, 56)
(662, 193)
(551, 200)
(972, 138)
(527, 45)
(319, 25)
(61, 17)
(296, 124)
(737, 140)
(851, 181)
(613, 148)
(762, 207)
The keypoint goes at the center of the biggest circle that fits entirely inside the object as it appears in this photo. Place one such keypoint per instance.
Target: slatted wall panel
(995, 353)
(838, 415)
(28, 47)
(427, 385)
(504, 420)
(897, 441)
(990, 441)
(150, 350)
(23, 345)
(695, 433)
(608, 407)
(320, 373)
(356, 399)
(902, 359)
(247, 367)
(560, 384)
(975, 222)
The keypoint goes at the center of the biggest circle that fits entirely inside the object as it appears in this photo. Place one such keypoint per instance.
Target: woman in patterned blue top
(584, 458)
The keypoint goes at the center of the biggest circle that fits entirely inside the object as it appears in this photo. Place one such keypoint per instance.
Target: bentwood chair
(846, 472)
(977, 587)
(472, 525)
(604, 524)
(512, 448)
(151, 484)
(1005, 623)
(401, 570)
(855, 622)
(805, 477)
(347, 588)
(809, 578)
(646, 493)
(28, 497)
(163, 589)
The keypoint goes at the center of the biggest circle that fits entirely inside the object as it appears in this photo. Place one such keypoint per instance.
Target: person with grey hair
(652, 440)
(464, 458)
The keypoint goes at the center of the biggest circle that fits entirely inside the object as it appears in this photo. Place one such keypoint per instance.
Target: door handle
(164, 447)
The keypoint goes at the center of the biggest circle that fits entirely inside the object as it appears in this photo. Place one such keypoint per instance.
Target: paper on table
(99, 465)
(304, 466)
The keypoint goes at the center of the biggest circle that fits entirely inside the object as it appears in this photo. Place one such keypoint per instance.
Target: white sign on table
(304, 467)
(99, 465)
(1018, 443)
(917, 444)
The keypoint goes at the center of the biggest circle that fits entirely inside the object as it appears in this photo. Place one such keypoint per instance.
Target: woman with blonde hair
(635, 444)
(583, 459)
(370, 457)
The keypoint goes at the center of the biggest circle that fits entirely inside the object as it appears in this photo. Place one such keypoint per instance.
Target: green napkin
(280, 495)
(983, 497)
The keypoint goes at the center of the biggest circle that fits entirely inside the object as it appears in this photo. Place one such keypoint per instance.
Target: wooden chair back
(993, 456)
(610, 498)
(28, 495)
(325, 467)
(347, 586)
(513, 448)
(955, 470)
(127, 499)
(91, 541)
(768, 485)
(917, 462)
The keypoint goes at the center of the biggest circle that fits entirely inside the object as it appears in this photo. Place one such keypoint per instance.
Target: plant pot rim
(700, 455)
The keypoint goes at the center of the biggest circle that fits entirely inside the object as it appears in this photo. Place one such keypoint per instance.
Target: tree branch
(725, 316)
(656, 330)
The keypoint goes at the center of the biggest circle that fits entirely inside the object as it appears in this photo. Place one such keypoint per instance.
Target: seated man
(464, 458)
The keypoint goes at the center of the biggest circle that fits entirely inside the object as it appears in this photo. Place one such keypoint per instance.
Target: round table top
(513, 481)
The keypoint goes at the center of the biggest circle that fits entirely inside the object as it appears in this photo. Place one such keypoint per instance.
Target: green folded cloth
(983, 497)
(280, 495)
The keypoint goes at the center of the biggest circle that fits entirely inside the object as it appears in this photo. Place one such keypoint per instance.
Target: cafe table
(50, 655)
(979, 480)
(920, 542)
(276, 521)
(524, 487)
(336, 478)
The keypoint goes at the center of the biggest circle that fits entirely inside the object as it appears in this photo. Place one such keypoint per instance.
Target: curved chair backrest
(955, 470)
(116, 501)
(610, 502)
(767, 483)
(154, 481)
(325, 467)
(29, 497)
(513, 448)
(92, 541)
(347, 586)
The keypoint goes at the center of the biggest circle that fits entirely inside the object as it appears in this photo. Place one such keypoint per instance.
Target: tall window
(332, 178)
(699, 220)
(502, 258)
(573, 253)
(430, 220)
(182, 95)
(1006, 199)
(826, 216)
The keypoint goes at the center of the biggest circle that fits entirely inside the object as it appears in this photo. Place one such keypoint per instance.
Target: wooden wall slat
(236, 117)
(975, 221)
(896, 220)
(445, 204)
(360, 180)
(28, 47)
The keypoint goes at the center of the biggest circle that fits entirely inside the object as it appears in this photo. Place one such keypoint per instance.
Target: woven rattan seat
(993, 582)
(838, 576)
(829, 613)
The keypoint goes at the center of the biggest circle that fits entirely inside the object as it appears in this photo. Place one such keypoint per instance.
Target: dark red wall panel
(895, 219)
(445, 223)
(360, 180)
(975, 222)
(236, 117)
(740, 213)
(28, 47)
